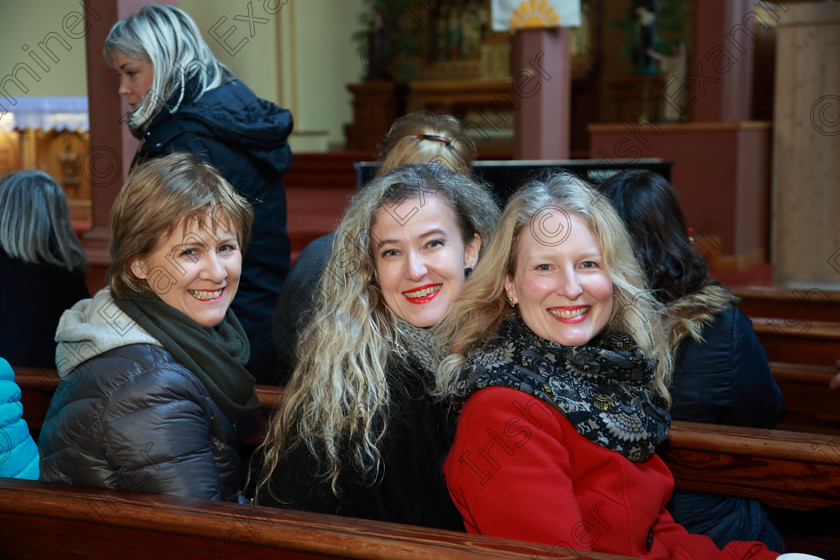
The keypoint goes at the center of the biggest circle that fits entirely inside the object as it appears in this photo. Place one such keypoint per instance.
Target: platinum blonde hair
(184, 67)
(35, 224)
(336, 403)
(483, 305)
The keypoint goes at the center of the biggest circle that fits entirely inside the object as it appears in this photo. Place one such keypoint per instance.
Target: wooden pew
(803, 342)
(788, 470)
(810, 406)
(792, 470)
(796, 474)
(788, 304)
(56, 521)
(38, 385)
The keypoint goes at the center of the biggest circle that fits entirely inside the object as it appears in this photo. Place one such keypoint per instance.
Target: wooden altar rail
(52, 520)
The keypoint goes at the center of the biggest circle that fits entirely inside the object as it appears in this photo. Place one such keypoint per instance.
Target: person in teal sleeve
(18, 452)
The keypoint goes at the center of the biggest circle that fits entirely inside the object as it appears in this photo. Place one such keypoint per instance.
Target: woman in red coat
(566, 400)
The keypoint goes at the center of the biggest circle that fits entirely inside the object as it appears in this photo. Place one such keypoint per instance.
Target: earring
(512, 304)
(467, 272)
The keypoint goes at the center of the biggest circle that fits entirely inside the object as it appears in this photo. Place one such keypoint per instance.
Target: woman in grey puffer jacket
(152, 367)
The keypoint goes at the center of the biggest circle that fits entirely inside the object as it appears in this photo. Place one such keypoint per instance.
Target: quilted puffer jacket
(126, 415)
(18, 452)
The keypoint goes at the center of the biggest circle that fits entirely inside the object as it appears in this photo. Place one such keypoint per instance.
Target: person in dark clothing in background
(721, 374)
(184, 100)
(41, 264)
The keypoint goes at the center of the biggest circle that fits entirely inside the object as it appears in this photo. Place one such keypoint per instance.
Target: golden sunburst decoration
(534, 14)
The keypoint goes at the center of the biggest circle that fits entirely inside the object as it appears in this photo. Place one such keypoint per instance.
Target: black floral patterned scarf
(602, 388)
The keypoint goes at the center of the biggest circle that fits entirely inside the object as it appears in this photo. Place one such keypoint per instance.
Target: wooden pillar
(106, 163)
(542, 81)
(719, 76)
(806, 145)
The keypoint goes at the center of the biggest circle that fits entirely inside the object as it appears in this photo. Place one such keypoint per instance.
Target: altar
(51, 134)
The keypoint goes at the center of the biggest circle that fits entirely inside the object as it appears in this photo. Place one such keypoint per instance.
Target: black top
(245, 138)
(726, 380)
(410, 489)
(32, 299)
(295, 301)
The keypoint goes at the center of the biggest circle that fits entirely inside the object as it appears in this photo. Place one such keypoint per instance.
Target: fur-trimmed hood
(689, 314)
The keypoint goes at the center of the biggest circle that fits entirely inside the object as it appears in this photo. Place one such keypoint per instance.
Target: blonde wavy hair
(336, 403)
(483, 304)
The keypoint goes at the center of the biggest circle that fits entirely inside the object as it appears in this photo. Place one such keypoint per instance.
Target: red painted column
(542, 90)
(719, 77)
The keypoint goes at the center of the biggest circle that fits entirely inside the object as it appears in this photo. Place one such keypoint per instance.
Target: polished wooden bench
(791, 470)
(56, 521)
(786, 470)
(788, 304)
(803, 342)
(810, 406)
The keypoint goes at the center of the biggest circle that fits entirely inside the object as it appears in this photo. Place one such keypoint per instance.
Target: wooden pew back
(56, 521)
(790, 470)
(786, 470)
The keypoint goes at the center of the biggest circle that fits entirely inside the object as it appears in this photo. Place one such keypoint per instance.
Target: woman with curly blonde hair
(418, 137)
(358, 431)
(560, 362)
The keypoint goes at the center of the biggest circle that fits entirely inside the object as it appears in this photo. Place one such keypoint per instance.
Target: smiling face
(564, 293)
(194, 271)
(135, 77)
(420, 261)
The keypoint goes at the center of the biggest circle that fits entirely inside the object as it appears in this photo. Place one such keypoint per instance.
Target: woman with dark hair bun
(721, 374)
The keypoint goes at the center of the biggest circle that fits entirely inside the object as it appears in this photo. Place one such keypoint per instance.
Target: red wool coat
(519, 469)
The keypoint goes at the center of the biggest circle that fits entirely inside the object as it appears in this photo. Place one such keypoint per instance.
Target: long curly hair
(483, 305)
(336, 403)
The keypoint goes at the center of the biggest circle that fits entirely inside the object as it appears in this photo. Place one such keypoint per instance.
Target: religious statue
(644, 14)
